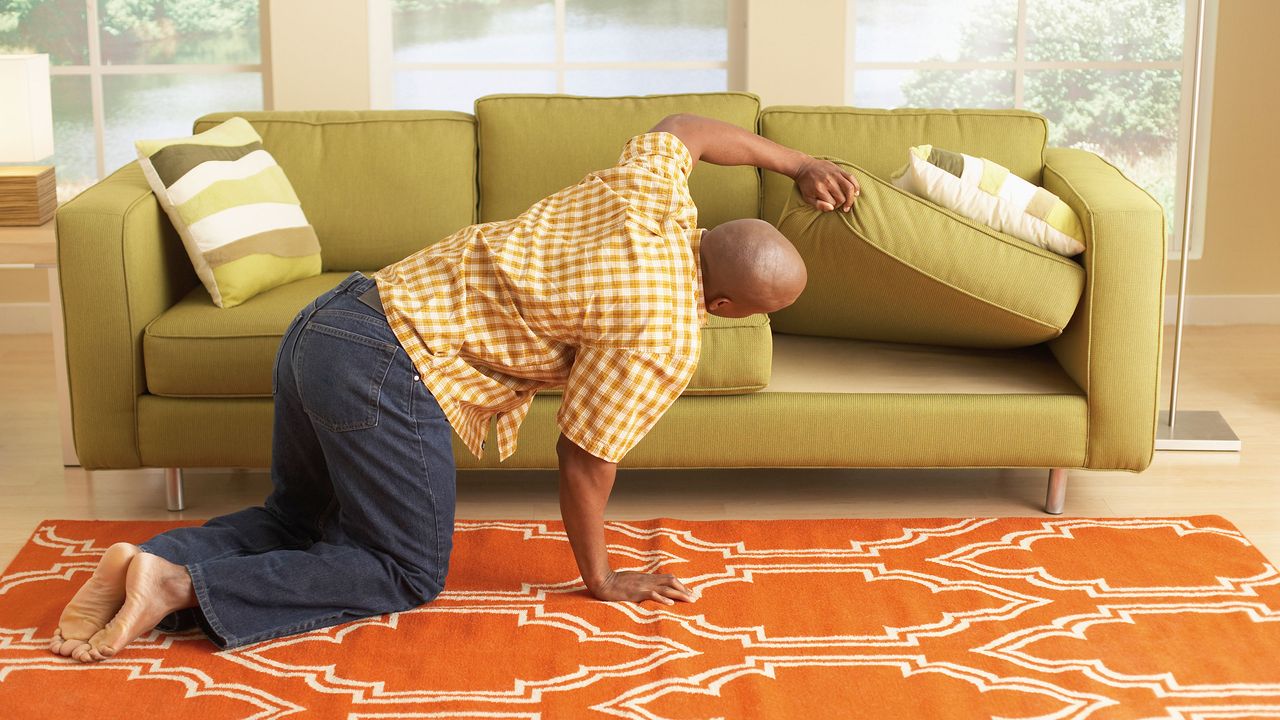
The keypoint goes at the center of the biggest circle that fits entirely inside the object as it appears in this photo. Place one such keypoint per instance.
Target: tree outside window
(1106, 73)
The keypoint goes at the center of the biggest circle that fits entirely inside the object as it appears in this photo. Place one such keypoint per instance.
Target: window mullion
(1025, 65)
(1020, 54)
(583, 65)
(95, 87)
(177, 69)
(735, 55)
(560, 30)
(850, 49)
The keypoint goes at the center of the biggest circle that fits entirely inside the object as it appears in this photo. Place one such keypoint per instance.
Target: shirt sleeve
(653, 174)
(661, 153)
(614, 396)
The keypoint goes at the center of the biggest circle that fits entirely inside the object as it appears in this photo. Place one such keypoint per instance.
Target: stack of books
(28, 194)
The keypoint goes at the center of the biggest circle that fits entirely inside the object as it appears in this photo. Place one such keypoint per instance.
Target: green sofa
(162, 378)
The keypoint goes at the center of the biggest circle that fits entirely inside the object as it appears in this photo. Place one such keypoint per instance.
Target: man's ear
(718, 302)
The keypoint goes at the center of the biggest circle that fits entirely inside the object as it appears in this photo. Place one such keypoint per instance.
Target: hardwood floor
(1232, 369)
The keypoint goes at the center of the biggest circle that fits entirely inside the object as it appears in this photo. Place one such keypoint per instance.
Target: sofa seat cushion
(195, 349)
(736, 357)
(898, 268)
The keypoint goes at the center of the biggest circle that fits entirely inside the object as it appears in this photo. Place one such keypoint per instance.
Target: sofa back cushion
(377, 185)
(534, 145)
(877, 140)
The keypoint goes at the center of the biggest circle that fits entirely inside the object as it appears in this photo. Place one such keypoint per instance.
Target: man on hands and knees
(602, 288)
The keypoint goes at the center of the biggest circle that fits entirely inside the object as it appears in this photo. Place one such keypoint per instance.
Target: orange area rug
(920, 618)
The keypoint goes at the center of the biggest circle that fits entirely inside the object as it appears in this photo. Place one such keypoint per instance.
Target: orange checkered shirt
(597, 288)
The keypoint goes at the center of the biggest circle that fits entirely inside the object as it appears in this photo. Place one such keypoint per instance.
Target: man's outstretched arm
(822, 183)
(585, 483)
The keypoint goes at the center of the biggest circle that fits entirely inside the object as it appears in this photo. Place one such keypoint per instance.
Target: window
(449, 52)
(123, 71)
(1112, 76)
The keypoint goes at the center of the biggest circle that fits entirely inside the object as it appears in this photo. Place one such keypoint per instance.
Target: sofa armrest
(120, 265)
(1111, 347)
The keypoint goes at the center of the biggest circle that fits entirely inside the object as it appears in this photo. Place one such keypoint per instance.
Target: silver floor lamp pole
(1191, 429)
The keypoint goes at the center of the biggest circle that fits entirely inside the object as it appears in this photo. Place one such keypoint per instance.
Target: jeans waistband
(365, 289)
(356, 282)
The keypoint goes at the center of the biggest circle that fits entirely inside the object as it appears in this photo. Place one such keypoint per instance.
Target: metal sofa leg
(173, 489)
(1057, 496)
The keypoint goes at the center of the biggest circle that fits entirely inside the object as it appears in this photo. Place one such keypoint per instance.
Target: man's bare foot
(154, 588)
(96, 601)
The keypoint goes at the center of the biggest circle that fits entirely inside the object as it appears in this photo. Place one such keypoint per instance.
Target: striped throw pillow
(235, 210)
(987, 192)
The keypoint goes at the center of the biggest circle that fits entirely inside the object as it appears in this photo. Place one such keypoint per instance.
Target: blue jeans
(359, 521)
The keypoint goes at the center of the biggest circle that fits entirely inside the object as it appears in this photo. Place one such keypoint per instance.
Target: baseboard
(1224, 310)
(22, 318)
(33, 317)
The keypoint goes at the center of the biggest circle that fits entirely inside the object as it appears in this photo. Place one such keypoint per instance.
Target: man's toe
(69, 647)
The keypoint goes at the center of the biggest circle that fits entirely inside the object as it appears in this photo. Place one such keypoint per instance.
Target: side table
(24, 247)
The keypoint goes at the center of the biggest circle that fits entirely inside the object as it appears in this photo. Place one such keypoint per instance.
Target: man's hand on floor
(639, 586)
(585, 483)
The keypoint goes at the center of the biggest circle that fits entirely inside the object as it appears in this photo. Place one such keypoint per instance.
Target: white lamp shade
(26, 109)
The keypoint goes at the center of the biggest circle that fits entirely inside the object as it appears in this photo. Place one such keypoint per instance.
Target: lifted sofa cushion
(898, 268)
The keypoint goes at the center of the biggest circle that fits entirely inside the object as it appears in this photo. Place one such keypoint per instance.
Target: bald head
(749, 267)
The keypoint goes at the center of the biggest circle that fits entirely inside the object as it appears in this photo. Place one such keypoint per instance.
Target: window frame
(734, 64)
(96, 70)
(1019, 66)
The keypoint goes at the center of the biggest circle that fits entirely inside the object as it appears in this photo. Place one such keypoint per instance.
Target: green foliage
(1131, 30)
(152, 19)
(1128, 116)
(1129, 113)
(45, 26)
(136, 31)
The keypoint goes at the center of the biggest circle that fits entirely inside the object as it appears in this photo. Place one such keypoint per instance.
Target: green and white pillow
(237, 214)
(988, 193)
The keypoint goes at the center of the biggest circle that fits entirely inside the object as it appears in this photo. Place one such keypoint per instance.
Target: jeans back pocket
(340, 375)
